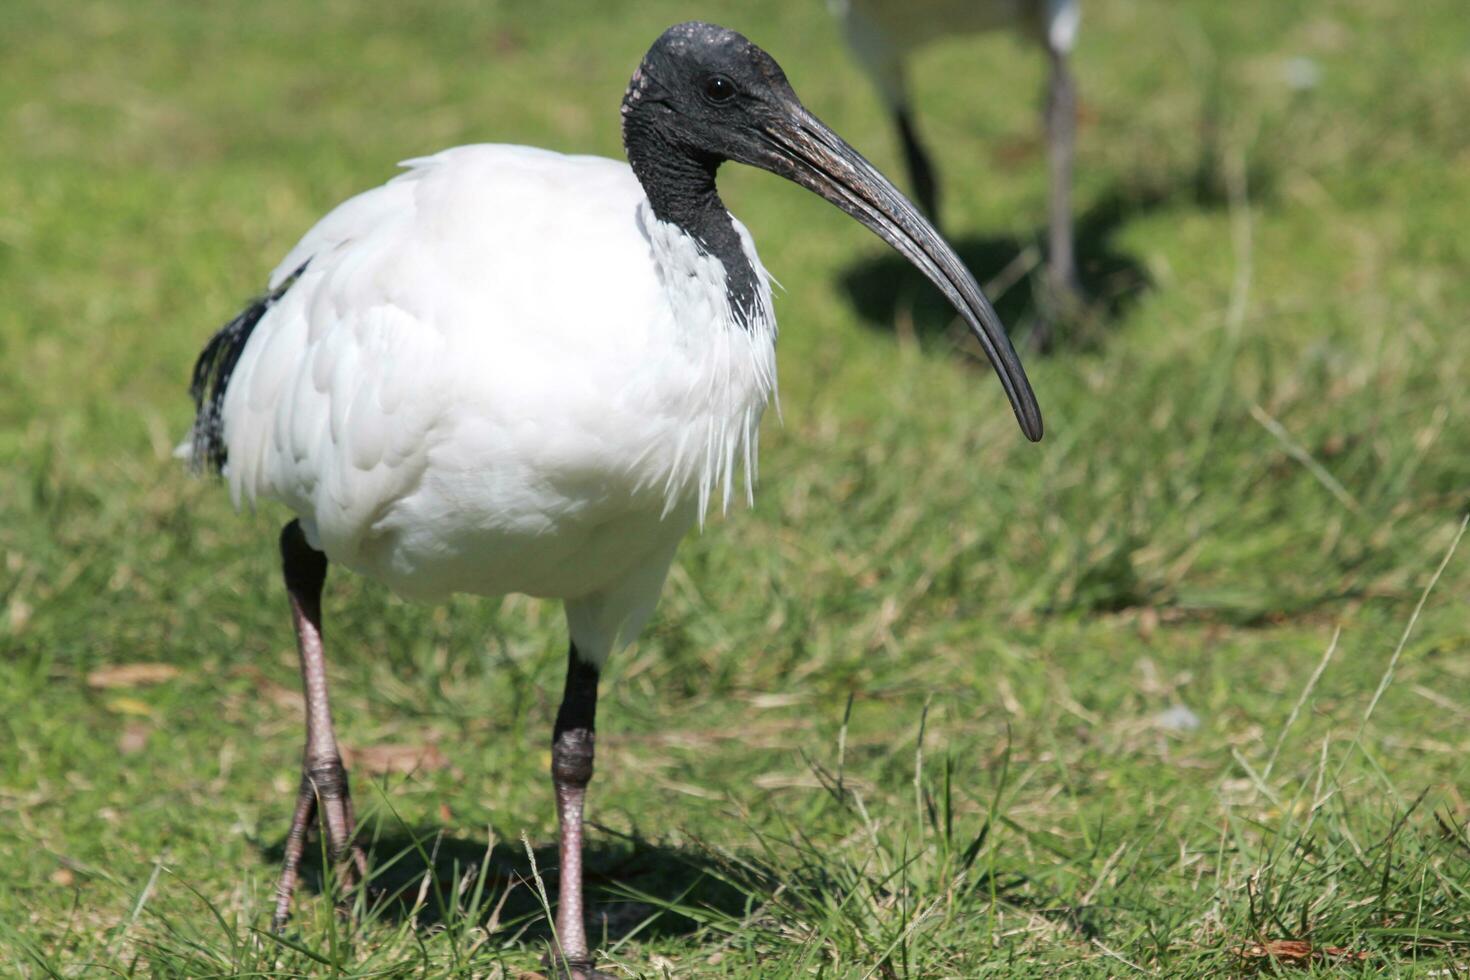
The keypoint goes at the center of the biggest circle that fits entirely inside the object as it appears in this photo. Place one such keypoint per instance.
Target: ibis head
(704, 94)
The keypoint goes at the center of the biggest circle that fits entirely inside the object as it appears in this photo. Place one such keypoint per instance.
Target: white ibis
(509, 370)
(882, 33)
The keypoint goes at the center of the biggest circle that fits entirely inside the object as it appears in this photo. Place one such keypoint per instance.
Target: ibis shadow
(890, 294)
(429, 877)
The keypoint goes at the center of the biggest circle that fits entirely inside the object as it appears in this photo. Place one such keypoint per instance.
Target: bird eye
(718, 89)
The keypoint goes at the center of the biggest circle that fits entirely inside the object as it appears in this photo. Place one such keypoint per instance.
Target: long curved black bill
(804, 150)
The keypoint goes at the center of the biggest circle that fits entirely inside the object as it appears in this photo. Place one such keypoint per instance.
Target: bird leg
(1061, 131)
(572, 743)
(324, 789)
(921, 170)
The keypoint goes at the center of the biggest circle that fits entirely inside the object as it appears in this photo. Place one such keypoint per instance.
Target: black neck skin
(680, 184)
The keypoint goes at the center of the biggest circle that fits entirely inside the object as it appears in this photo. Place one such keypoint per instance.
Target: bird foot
(324, 793)
(1064, 304)
(561, 968)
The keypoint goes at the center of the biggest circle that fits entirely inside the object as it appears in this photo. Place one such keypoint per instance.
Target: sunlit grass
(942, 703)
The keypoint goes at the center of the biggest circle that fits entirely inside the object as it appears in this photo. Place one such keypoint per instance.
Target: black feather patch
(212, 372)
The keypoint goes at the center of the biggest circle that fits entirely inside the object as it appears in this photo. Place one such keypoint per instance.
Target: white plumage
(445, 417)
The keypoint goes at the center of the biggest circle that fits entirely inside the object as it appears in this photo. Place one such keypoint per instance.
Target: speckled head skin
(707, 93)
(674, 75)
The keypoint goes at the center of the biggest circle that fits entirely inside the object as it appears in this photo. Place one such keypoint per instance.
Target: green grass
(903, 718)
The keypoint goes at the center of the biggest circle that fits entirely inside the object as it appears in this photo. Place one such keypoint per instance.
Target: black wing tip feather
(211, 378)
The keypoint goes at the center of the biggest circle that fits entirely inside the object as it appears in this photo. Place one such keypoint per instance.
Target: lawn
(1184, 689)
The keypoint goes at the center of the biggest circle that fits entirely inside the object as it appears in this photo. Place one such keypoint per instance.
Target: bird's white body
(509, 370)
(883, 32)
(499, 372)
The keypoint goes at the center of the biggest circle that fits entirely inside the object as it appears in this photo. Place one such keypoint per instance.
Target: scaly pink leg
(324, 789)
(572, 744)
